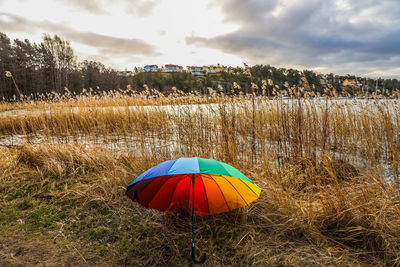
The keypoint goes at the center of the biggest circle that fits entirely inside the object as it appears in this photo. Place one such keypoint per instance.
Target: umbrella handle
(201, 261)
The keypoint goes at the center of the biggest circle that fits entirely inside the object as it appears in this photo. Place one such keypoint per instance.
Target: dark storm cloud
(111, 45)
(135, 7)
(311, 33)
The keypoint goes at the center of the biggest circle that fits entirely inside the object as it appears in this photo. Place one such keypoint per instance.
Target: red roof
(171, 65)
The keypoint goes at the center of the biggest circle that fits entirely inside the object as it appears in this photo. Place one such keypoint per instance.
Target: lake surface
(173, 145)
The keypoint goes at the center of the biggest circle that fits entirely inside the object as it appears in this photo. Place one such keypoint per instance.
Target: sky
(360, 37)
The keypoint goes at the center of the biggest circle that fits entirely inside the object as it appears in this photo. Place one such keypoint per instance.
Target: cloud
(311, 33)
(9, 22)
(105, 44)
(135, 7)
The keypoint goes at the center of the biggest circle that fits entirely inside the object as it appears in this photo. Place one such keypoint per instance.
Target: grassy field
(328, 169)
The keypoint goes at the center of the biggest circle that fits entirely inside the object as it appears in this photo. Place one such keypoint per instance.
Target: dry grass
(113, 98)
(324, 199)
(307, 214)
(237, 130)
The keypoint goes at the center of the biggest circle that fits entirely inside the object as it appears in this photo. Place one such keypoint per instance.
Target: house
(209, 69)
(125, 73)
(150, 68)
(172, 68)
(197, 71)
(220, 68)
(351, 83)
(214, 69)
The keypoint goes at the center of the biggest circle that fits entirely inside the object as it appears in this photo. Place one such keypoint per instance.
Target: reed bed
(326, 199)
(329, 213)
(243, 131)
(113, 98)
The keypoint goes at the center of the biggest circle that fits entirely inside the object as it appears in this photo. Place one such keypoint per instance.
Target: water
(358, 105)
(172, 145)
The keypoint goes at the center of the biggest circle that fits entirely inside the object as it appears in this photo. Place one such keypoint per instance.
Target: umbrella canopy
(202, 186)
(218, 187)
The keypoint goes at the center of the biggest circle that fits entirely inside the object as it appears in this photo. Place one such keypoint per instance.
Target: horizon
(227, 66)
(359, 38)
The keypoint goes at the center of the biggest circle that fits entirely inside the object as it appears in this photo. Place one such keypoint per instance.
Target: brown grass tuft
(324, 200)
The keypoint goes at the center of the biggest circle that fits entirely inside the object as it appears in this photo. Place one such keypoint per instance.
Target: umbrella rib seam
(247, 186)
(173, 193)
(154, 195)
(190, 188)
(205, 193)
(222, 193)
(141, 181)
(235, 189)
(231, 174)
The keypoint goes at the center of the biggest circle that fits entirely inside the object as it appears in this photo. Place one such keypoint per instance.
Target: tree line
(260, 79)
(41, 69)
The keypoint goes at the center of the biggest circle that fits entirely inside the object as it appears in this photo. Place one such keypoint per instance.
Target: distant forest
(39, 70)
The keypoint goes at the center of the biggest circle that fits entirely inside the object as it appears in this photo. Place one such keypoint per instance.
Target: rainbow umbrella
(197, 185)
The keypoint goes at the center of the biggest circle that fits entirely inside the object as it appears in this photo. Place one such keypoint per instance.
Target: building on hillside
(125, 73)
(351, 83)
(172, 68)
(220, 68)
(209, 69)
(150, 68)
(196, 70)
